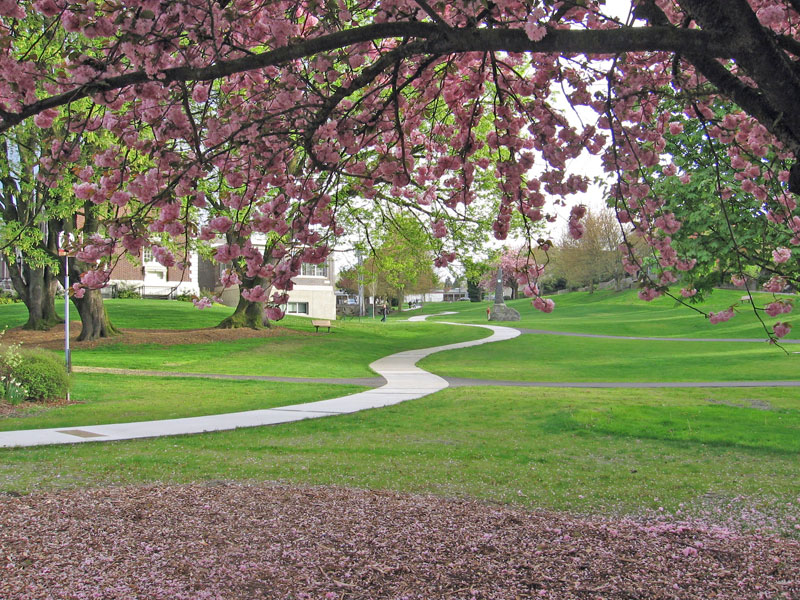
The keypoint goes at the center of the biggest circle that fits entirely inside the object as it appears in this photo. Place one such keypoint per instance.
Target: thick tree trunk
(247, 314)
(37, 290)
(95, 323)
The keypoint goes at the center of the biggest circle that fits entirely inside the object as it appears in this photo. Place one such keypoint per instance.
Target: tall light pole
(360, 275)
(62, 251)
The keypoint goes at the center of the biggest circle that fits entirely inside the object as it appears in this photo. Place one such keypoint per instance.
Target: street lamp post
(67, 355)
(63, 243)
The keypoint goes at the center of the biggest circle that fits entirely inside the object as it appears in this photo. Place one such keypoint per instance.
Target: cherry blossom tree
(512, 261)
(413, 101)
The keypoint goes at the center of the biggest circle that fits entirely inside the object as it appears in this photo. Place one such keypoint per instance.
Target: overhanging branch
(440, 40)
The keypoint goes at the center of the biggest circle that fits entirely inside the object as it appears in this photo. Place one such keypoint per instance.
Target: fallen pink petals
(233, 541)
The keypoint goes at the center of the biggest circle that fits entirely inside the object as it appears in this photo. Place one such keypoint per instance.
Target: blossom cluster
(192, 123)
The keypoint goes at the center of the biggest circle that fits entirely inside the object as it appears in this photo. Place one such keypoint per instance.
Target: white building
(313, 294)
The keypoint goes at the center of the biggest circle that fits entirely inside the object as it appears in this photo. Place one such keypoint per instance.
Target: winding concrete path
(404, 381)
(399, 380)
(649, 339)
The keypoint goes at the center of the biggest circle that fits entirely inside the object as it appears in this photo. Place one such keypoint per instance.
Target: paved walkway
(404, 381)
(400, 380)
(650, 339)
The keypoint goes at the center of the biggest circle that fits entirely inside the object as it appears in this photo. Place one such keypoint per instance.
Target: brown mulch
(53, 339)
(233, 541)
(25, 409)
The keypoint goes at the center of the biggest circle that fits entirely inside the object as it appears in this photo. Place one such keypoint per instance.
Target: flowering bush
(10, 358)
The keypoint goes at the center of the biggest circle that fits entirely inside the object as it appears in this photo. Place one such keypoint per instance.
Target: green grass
(134, 314)
(622, 313)
(689, 451)
(553, 358)
(347, 352)
(105, 398)
(578, 450)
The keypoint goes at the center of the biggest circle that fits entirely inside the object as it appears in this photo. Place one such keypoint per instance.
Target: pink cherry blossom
(647, 294)
(77, 290)
(721, 316)
(95, 278)
(45, 118)
(781, 255)
(778, 308)
(775, 285)
(274, 313)
(229, 277)
(201, 303)
(255, 294)
(546, 305)
(781, 329)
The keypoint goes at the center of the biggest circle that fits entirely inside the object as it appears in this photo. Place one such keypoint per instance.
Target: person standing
(384, 311)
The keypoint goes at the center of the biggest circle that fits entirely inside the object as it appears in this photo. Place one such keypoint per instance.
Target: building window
(315, 270)
(297, 308)
(147, 255)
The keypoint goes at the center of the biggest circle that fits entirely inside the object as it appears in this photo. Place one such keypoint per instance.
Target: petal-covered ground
(53, 338)
(233, 541)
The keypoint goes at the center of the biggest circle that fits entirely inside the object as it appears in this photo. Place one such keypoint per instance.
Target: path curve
(404, 381)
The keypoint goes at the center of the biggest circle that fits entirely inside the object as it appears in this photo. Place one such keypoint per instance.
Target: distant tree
(512, 261)
(596, 256)
(348, 280)
(402, 260)
(474, 273)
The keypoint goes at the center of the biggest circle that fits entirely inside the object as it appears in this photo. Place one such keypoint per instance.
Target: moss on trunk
(247, 314)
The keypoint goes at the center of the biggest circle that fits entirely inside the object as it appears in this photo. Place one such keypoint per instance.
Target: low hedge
(42, 374)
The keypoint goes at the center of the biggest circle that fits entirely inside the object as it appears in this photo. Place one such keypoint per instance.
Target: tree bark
(37, 290)
(247, 314)
(95, 323)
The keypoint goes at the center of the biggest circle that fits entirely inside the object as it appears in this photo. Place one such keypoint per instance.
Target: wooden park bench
(317, 323)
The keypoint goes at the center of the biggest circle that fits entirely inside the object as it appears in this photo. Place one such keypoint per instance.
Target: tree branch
(439, 41)
(431, 13)
(757, 54)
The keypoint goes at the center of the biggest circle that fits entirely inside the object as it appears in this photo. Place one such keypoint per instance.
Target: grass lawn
(134, 314)
(345, 353)
(104, 398)
(731, 455)
(552, 358)
(622, 313)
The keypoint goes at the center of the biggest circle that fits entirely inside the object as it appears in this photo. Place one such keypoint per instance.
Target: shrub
(128, 291)
(9, 298)
(41, 374)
